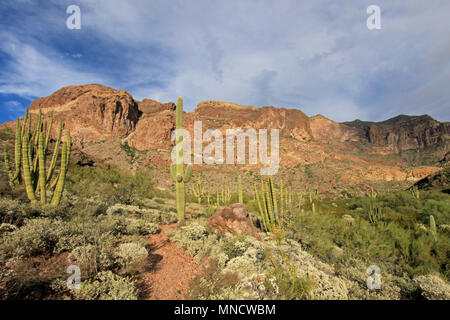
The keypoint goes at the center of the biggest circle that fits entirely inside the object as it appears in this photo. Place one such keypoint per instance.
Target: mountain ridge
(95, 113)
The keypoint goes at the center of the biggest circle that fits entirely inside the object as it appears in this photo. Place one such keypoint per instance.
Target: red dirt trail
(171, 268)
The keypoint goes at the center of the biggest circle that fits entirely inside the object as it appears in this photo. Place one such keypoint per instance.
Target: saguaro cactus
(177, 170)
(30, 159)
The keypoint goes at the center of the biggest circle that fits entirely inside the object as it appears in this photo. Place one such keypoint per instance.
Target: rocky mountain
(96, 113)
(91, 112)
(403, 132)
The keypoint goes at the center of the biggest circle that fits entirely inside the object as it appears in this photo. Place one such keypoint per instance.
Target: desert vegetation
(307, 245)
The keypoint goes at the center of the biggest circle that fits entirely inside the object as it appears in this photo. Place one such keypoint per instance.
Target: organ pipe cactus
(273, 205)
(268, 205)
(30, 159)
(198, 190)
(177, 171)
(241, 196)
(14, 177)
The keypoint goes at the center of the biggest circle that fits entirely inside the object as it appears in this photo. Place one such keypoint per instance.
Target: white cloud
(316, 55)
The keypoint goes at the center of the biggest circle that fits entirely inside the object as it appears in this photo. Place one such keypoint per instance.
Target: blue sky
(315, 55)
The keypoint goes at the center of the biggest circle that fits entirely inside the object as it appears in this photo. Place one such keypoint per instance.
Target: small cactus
(241, 196)
(198, 190)
(433, 226)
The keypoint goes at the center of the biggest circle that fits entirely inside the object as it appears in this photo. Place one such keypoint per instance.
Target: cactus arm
(188, 173)
(62, 177)
(37, 129)
(261, 211)
(26, 167)
(41, 155)
(49, 129)
(55, 154)
(273, 195)
(8, 169)
(69, 146)
(282, 199)
(17, 151)
(241, 197)
(24, 124)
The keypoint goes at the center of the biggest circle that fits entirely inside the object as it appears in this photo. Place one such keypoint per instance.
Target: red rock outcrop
(154, 127)
(95, 113)
(324, 129)
(233, 219)
(403, 132)
(91, 112)
(221, 115)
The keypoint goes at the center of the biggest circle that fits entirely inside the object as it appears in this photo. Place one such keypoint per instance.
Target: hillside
(104, 122)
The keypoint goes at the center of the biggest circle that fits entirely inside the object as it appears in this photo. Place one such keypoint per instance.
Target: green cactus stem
(198, 190)
(41, 155)
(177, 171)
(62, 174)
(241, 196)
(26, 166)
(30, 159)
(54, 156)
(433, 226)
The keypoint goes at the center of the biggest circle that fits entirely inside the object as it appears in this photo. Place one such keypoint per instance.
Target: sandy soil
(171, 270)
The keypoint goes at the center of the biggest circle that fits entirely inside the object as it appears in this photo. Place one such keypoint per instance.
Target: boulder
(233, 219)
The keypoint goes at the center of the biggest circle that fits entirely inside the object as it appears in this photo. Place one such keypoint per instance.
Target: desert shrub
(439, 209)
(131, 257)
(141, 227)
(401, 201)
(196, 239)
(288, 285)
(168, 217)
(432, 287)
(30, 278)
(110, 184)
(91, 258)
(107, 286)
(235, 246)
(121, 209)
(397, 242)
(150, 215)
(7, 227)
(13, 212)
(213, 283)
(37, 236)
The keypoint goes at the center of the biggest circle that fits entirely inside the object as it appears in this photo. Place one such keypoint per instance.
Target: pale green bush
(91, 259)
(196, 239)
(433, 287)
(141, 227)
(7, 227)
(12, 211)
(107, 286)
(37, 236)
(122, 209)
(132, 257)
